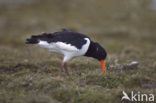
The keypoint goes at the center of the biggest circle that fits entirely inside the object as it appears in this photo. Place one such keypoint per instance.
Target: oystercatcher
(70, 44)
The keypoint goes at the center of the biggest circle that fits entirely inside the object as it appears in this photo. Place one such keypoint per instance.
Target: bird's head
(98, 52)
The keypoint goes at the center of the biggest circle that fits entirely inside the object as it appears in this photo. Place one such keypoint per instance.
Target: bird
(70, 44)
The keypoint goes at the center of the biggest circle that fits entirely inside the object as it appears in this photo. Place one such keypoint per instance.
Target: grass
(29, 74)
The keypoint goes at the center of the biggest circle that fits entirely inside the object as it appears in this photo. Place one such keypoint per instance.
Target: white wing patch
(58, 47)
(46, 45)
(67, 47)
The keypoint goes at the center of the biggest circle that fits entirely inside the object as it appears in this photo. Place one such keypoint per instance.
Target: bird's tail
(32, 40)
(36, 38)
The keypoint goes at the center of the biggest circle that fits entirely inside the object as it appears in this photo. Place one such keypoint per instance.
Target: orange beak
(103, 66)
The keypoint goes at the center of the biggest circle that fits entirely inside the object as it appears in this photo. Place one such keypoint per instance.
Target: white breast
(85, 47)
(80, 52)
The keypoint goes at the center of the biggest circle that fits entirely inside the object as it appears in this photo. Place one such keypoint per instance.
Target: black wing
(68, 37)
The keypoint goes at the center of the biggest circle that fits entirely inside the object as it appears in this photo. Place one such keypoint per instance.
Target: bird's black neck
(91, 50)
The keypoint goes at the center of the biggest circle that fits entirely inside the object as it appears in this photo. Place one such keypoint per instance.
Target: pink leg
(63, 65)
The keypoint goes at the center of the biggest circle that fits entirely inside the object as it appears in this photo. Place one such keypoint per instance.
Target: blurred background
(110, 18)
(125, 28)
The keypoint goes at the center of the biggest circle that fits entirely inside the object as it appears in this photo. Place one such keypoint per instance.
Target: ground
(29, 74)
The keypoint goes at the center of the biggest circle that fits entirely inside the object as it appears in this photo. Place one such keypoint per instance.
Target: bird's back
(65, 36)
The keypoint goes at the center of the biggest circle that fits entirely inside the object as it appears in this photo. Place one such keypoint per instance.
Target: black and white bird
(70, 44)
